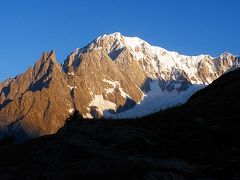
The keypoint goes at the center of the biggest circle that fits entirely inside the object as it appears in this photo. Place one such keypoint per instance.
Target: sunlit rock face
(36, 103)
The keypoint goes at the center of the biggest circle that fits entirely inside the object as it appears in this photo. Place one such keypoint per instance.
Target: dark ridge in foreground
(198, 140)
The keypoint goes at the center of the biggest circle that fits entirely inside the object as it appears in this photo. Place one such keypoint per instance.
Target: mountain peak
(116, 35)
(48, 55)
(52, 55)
(45, 55)
(125, 40)
(225, 55)
(111, 38)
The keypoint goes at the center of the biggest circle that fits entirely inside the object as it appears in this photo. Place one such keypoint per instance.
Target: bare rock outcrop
(37, 101)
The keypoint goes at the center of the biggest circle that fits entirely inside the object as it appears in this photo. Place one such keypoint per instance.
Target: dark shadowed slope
(198, 140)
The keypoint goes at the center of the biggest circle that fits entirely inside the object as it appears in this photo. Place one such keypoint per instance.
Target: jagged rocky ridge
(113, 76)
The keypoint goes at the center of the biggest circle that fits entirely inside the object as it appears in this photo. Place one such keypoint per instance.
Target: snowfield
(156, 100)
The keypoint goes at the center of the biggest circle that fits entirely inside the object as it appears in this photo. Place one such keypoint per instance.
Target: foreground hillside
(198, 140)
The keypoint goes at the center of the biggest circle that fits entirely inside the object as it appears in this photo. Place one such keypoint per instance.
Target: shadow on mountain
(6, 90)
(18, 133)
(40, 84)
(128, 104)
(197, 140)
(44, 81)
(114, 54)
(146, 85)
(5, 103)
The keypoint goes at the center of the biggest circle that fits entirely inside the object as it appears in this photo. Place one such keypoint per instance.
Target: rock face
(108, 77)
(98, 82)
(36, 102)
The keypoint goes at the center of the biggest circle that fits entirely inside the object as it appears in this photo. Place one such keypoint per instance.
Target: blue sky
(29, 27)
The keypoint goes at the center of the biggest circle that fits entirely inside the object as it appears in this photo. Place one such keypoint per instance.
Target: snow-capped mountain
(113, 76)
(165, 78)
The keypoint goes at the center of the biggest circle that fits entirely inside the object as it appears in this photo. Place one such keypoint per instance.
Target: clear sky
(191, 27)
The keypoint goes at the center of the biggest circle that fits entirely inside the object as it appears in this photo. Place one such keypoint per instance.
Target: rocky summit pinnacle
(113, 76)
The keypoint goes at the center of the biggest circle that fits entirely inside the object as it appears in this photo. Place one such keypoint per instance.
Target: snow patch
(115, 84)
(91, 93)
(71, 87)
(71, 110)
(102, 104)
(156, 100)
(87, 116)
(71, 73)
(135, 44)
